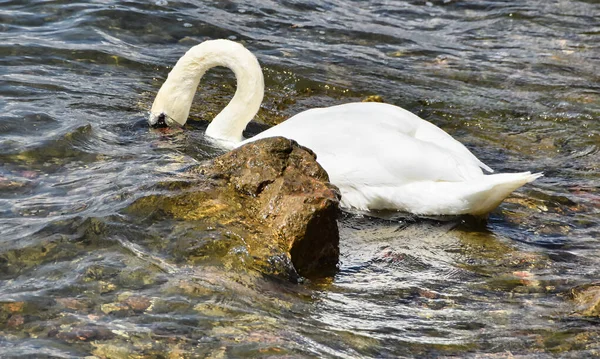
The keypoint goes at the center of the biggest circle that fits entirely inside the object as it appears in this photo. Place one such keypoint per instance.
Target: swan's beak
(157, 120)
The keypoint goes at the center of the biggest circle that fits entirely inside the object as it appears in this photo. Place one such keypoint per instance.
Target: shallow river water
(517, 81)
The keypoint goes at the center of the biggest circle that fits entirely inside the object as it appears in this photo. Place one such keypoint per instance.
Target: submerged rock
(85, 333)
(270, 197)
(373, 98)
(587, 299)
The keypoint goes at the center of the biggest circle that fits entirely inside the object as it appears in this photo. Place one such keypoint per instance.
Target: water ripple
(516, 82)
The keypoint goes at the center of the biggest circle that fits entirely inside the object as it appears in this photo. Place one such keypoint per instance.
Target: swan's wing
(423, 130)
(431, 133)
(378, 144)
(401, 120)
(384, 157)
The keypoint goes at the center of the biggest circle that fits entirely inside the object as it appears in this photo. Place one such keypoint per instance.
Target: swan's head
(172, 104)
(174, 99)
(161, 119)
(157, 120)
(169, 110)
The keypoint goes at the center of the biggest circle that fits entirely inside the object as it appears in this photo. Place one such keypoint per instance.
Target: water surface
(516, 82)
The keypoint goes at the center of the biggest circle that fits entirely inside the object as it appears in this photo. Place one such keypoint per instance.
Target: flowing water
(517, 82)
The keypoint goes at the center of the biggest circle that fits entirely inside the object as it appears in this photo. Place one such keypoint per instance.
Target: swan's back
(378, 144)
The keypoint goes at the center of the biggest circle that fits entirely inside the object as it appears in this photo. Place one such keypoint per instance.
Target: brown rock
(72, 303)
(137, 303)
(373, 98)
(14, 307)
(85, 333)
(271, 193)
(110, 308)
(290, 193)
(16, 320)
(587, 299)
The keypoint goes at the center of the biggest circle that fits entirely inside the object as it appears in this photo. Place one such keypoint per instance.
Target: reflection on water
(516, 82)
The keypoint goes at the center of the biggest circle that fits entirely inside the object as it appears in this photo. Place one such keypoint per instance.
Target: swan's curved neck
(175, 97)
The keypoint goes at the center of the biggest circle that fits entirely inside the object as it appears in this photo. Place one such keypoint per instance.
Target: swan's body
(380, 156)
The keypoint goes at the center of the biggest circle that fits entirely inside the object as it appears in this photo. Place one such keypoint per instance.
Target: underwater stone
(587, 299)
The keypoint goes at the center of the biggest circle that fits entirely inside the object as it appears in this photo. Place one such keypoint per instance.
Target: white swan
(380, 156)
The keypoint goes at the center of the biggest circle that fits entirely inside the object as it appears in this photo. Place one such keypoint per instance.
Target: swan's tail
(476, 197)
(496, 188)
